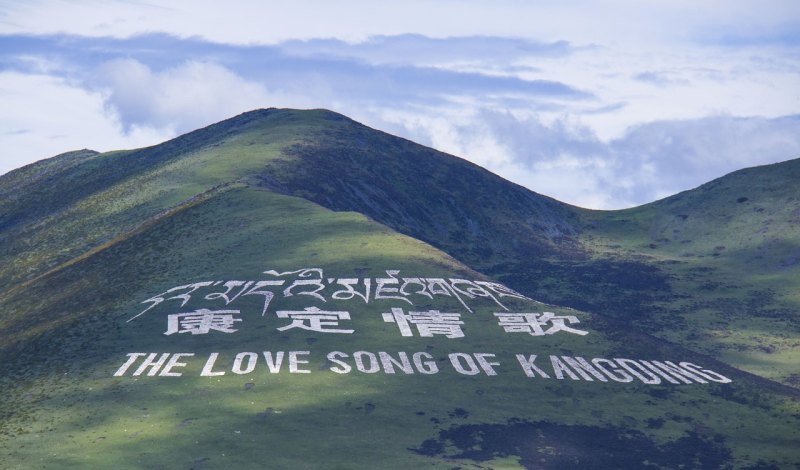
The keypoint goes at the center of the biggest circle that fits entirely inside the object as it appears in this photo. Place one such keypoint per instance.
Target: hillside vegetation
(87, 238)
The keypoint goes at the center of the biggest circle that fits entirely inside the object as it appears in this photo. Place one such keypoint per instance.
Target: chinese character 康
(202, 321)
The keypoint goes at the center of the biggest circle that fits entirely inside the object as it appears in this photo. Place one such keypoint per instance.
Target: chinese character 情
(427, 323)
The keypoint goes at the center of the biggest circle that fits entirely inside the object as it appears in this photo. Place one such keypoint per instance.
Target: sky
(602, 104)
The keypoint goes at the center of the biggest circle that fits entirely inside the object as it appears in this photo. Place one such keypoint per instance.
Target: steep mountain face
(80, 201)
(653, 266)
(432, 196)
(292, 289)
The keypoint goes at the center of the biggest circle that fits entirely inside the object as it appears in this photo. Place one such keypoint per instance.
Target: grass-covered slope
(59, 208)
(715, 269)
(430, 195)
(85, 238)
(66, 334)
(729, 254)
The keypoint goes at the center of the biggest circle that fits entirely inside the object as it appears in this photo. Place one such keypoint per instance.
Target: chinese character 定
(314, 319)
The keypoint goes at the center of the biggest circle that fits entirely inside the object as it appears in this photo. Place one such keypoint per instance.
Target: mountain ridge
(549, 250)
(285, 191)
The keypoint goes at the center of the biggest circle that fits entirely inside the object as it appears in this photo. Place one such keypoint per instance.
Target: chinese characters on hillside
(406, 309)
(218, 298)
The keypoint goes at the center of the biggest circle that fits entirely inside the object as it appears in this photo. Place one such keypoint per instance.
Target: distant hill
(292, 289)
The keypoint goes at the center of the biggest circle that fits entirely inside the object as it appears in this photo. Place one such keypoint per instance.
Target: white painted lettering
(341, 367)
(464, 364)
(631, 366)
(274, 365)
(151, 363)
(617, 375)
(373, 362)
(583, 368)
(294, 362)
(485, 364)
(132, 357)
(209, 366)
(709, 374)
(529, 367)
(559, 368)
(389, 362)
(425, 367)
(173, 362)
(249, 359)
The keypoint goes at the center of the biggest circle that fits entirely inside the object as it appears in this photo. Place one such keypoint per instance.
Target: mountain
(729, 254)
(292, 289)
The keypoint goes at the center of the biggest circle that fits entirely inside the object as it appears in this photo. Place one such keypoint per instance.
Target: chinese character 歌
(533, 323)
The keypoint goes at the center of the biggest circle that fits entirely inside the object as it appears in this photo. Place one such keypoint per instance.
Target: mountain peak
(331, 278)
(274, 116)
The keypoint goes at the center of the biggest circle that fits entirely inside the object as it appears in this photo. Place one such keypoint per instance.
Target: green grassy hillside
(729, 252)
(58, 209)
(715, 269)
(226, 204)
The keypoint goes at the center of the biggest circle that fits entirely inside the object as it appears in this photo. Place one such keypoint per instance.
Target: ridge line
(141, 227)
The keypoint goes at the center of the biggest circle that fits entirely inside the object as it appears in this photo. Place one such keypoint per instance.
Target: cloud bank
(648, 162)
(585, 112)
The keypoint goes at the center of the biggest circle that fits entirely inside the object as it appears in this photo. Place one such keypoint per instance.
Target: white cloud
(43, 116)
(564, 158)
(247, 22)
(127, 105)
(699, 150)
(638, 103)
(694, 83)
(178, 99)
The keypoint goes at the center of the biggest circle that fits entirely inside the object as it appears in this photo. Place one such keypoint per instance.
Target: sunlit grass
(92, 262)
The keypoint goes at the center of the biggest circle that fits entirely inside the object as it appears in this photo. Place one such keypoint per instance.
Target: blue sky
(602, 104)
